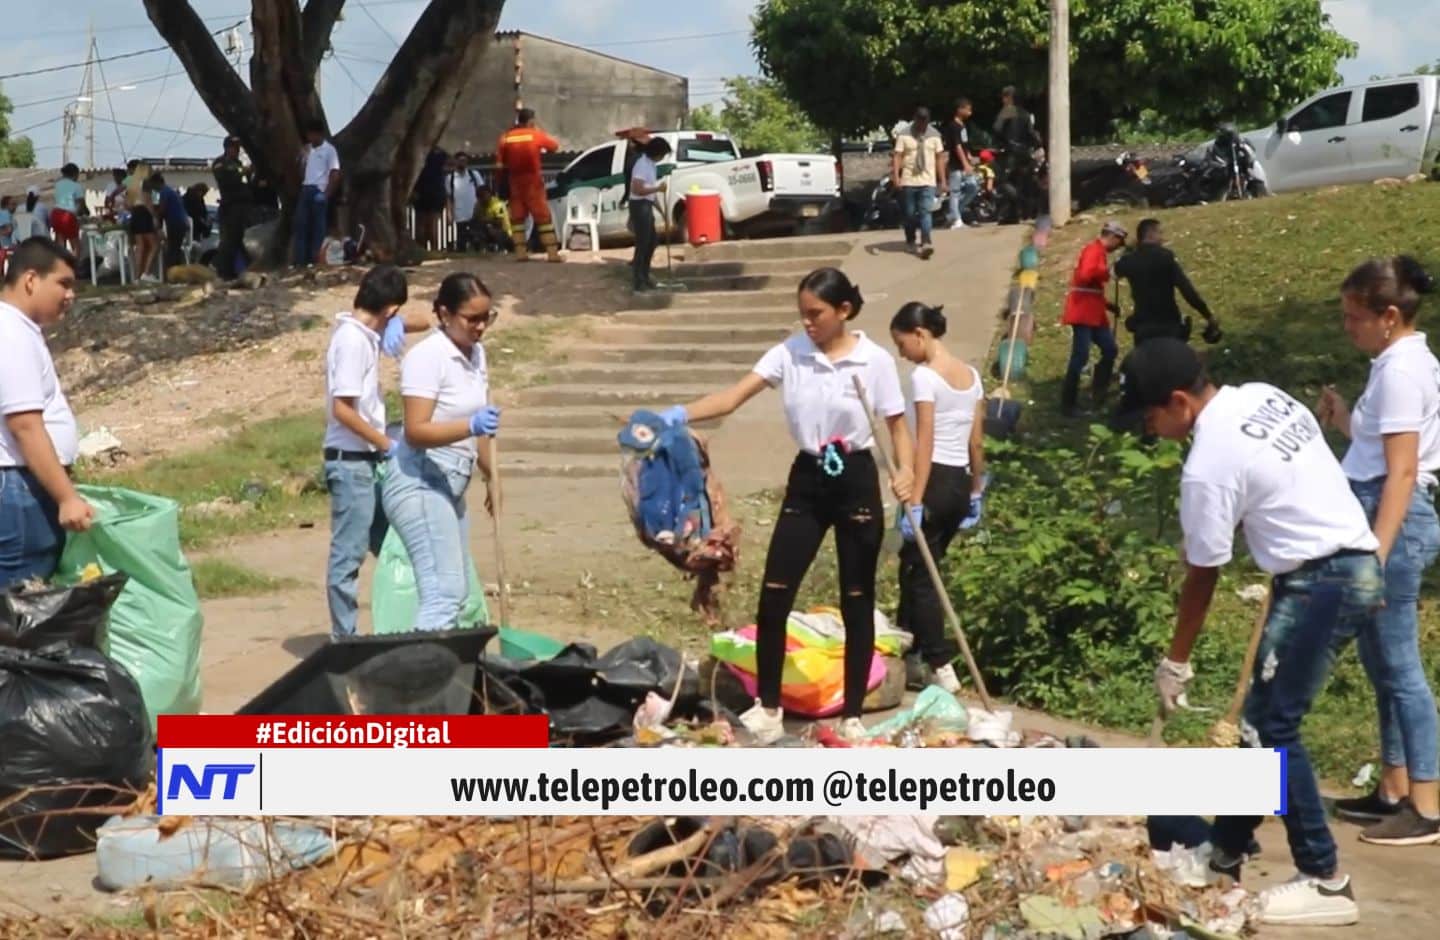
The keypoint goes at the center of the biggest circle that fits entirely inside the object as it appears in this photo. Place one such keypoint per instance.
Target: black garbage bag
(74, 735)
(418, 673)
(77, 615)
(591, 698)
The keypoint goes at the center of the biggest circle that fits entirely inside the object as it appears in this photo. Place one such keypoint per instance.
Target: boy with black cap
(1258, 459)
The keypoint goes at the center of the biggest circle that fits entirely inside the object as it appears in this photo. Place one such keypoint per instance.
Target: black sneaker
(1371, 807)
(1405, 827)
(1224, 872)
(927, 252)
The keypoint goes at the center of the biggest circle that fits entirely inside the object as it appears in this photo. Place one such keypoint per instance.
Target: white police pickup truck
(1354, 134)
(765, 194)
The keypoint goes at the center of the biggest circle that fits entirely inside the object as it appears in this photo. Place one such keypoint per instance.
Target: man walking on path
(462, 192)
(1259, 462)
(964, 183)
(38, 437)
(518, 156)
(234, 181)
(917, 168)
(1087, 313)
(1155, 275)
(318, 188)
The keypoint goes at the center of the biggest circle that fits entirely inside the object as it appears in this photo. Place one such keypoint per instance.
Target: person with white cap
(1259, 461)
(1087, 313)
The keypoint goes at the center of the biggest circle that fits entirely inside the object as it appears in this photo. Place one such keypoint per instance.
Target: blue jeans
(424, 497)
(1409, 728)
(311, 222)
(1314, 612)
(963, 190)
(1081, 339)
(357, 527)
(31, 538)
(913, 200)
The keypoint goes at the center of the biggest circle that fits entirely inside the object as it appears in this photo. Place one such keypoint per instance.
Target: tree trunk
(383, 147)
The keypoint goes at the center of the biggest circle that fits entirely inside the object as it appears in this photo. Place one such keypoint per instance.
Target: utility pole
(87, 93)
(1059, 112)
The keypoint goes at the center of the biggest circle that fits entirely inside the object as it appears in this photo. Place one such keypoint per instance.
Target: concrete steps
(794, 268)
(681, 374)
(735, 353)
(634, 334)
(743, 282)
(716, 316)
(563, 466)
(522, 419)
(687, 300)
(624, 398)
(774, 248)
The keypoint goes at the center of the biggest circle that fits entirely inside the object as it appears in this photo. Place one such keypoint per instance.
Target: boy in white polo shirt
(1258, 459)
(38, 438)
(355, 443)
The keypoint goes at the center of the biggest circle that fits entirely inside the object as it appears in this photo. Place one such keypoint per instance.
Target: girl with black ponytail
(1393, 464)
(949, 475)
(833, 482)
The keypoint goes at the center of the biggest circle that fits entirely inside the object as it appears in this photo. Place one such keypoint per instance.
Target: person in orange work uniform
(518, 156)
(1087, 313)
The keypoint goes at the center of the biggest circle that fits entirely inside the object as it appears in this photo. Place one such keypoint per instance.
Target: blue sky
(156, 114)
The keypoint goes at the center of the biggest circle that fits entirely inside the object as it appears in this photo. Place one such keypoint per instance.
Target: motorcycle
(1124, 181)
(1227, 169)
(886, 212)
(1022, 191)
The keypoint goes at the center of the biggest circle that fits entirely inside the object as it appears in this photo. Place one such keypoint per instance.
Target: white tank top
(954, 413)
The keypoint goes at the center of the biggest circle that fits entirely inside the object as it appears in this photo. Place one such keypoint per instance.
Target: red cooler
(702, 216)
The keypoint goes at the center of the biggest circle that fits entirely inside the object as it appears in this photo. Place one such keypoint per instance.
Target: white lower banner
(422, 781)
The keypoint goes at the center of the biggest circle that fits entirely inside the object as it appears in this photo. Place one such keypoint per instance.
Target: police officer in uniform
(233, 178)
(1155, 275)
(1258, 460)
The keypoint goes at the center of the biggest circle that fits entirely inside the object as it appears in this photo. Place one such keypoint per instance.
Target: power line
(366, 10)
(110, 103)
(644, 42)
(80, 65)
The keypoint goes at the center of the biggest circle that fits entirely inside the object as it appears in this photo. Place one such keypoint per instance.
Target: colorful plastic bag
(156, 623)
(394, 599)
(812, 681)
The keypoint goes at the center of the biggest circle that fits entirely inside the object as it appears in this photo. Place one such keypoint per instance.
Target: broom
(499, 544)
(950, 615)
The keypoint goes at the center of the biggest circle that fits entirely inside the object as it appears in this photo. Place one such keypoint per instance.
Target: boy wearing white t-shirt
(1258, 459)
(355, 443)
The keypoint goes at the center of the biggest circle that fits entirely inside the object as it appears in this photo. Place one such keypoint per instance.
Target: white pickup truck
(772, 192)
(1354, 134)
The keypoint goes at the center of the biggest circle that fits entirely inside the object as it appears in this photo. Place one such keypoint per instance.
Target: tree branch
(317, 23)
(215, 81)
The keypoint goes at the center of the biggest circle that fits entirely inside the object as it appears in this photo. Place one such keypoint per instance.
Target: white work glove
(1170, 681)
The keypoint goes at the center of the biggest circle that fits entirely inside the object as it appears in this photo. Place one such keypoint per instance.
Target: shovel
(930, 566)
(1002, 413)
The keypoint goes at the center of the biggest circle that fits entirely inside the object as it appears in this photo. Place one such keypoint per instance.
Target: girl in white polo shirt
(949, 472)
(445, 387)
(1392, 464)
(833, 481)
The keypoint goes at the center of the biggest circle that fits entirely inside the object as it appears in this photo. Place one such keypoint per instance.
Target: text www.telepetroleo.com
(485, 765)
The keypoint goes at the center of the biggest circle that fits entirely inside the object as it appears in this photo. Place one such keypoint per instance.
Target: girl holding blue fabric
(833, 482)
(445, 386)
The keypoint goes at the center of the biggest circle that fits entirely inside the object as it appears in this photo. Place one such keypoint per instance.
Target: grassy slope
(1271, 270)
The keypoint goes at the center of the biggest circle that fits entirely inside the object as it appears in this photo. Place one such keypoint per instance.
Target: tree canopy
(760, 116)
(857, 64)
(14, 151)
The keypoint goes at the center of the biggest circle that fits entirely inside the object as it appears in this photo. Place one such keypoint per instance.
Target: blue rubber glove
(910, 522)
(972, 519)
(392, 342)
(485, 422)
(675, 416)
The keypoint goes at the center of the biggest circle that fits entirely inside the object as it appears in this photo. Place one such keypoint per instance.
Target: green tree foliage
(762, 118)
(14, 151)
(855, 64)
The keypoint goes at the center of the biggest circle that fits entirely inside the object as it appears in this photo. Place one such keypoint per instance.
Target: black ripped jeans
(947, 501)
(814, 503)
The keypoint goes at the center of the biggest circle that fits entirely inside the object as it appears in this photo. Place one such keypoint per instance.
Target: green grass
(1271, 271)
(281, 455)
(217, 578)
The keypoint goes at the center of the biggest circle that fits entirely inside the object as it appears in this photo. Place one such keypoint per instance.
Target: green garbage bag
(394, 600)
(156, 623)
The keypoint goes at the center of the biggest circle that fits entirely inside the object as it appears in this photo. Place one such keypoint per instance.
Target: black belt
(367, 456)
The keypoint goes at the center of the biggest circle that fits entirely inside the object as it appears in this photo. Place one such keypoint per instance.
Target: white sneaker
(946, 679)
(1310, 901)
(958, 224)
(149, 279)
(853, 730)
(767, 725)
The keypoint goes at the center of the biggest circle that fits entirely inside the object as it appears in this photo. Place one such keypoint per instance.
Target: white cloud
(1392, 37)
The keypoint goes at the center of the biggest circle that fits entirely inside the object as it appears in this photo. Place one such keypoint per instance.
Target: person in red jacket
(518, 156)
(1087, 313)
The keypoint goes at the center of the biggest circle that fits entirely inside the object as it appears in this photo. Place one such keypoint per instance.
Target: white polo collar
(1398, 347)
(11, 308)
(860, 355)
(351, 319)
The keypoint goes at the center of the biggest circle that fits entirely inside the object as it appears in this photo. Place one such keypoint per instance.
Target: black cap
(1152, 372)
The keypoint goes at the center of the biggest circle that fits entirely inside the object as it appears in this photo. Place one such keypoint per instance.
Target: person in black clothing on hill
(1155, 275)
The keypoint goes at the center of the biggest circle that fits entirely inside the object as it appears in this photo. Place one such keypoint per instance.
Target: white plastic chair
(582, 211)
